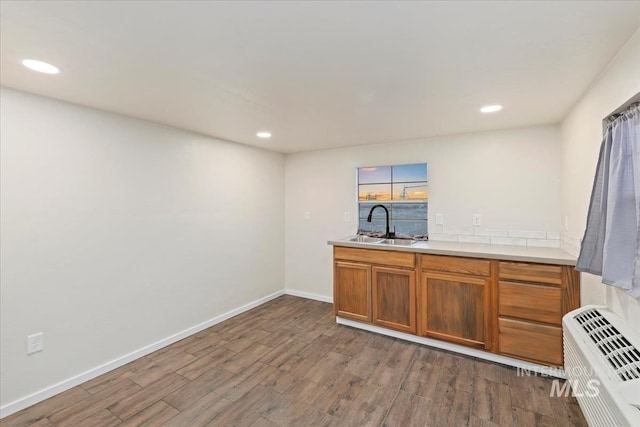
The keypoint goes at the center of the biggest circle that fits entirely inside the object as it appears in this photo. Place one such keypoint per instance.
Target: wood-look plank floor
(287, 363)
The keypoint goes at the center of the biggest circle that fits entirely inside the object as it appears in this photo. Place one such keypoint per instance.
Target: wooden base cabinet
(505, 307)
(394, 298)
(376, 287)
(532, 298)
(455, 300)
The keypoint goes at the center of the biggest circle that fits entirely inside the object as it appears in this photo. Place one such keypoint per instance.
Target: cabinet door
(352, 291)
(394, 298)
(457, 308)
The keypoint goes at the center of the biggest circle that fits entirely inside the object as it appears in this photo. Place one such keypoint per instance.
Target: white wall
(511, 177)
(581, 137)
(117, 233)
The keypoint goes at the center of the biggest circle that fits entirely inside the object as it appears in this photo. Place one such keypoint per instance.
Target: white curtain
(611, 243)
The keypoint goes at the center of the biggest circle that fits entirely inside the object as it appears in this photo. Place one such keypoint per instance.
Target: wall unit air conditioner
(602, 363)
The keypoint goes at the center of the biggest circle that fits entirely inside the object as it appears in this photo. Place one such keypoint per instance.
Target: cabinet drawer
(532, 302)
(451, 264)
(531, 341)
(526, 272)
(372, 256)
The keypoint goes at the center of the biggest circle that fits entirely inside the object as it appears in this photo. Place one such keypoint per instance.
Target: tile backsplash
(494, 236)
(570, 244)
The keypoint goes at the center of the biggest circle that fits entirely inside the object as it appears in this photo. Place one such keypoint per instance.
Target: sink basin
(366, 239)
(399, 242)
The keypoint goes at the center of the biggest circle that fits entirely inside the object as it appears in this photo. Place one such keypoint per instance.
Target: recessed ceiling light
(263, 134)
(490, 108)
(40, 66)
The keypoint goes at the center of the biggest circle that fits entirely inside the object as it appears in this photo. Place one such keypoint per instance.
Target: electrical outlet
(439, 219)
(307, 215)
(477, 219)
(347, 216)
(35, 343)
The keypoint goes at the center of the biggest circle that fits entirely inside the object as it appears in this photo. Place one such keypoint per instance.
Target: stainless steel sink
(399, 242)
(366, 239)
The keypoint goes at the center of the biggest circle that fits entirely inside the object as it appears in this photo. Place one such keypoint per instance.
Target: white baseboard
(308, 295)
(50, 391)
(526, 367)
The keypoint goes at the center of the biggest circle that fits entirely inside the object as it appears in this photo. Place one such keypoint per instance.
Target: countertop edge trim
(460, 253)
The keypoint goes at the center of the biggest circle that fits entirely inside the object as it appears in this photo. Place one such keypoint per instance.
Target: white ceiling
(317, 74)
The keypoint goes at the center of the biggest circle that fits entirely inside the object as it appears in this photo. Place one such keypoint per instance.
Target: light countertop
(473, 250)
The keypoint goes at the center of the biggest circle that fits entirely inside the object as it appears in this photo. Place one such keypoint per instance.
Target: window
(402, 189)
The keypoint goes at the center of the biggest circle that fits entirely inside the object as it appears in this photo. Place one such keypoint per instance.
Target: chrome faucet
(387, 235)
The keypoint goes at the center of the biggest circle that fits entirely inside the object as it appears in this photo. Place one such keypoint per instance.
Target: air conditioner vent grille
(623, 356)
